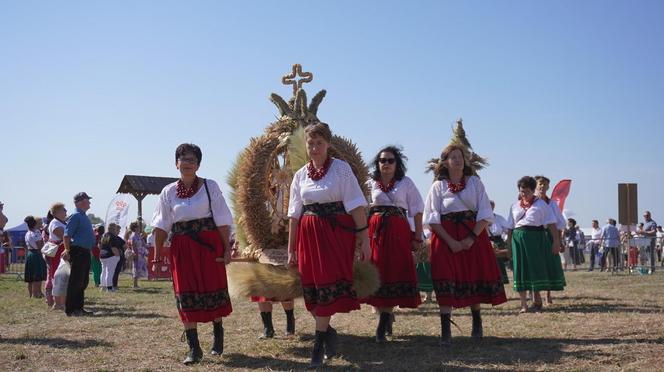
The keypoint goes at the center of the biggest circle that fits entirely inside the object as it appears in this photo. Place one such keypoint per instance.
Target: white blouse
(498, 226)
(404, 194)
(560, 220)
(440, 201)
(338, 184)
(171, 209)
(52, 226)
(32, 238)
(539, 214)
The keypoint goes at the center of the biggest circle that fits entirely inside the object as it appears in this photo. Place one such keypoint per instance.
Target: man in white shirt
(595, 237)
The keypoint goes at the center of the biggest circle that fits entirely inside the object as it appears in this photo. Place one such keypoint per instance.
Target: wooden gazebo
(141, 186)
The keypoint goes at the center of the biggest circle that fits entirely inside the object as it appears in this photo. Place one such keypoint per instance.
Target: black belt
(460, 218)
(193, 227)
(385, 211)
(531, 228)
(328, 211)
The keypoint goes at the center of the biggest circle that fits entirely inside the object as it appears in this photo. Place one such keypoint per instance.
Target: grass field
(601, 322)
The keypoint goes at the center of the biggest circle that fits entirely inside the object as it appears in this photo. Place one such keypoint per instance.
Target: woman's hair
(442, 172)
(101, 230)
(133, 226)
(319, 130)
(400, 170)
(542, 178)
(56, 207)
(527, 182)
(30, 221)
(106, 238)
(188, 148)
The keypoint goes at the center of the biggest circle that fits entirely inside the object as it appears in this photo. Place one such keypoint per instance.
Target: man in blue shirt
(611, 243)
(650, 230)
(79, 240)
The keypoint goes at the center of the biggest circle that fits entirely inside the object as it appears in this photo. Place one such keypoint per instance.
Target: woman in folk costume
(534, 252)
(541, 190)
(327, 216)
(394, 198)
(463, 264)
(56, 231)
(194, 211)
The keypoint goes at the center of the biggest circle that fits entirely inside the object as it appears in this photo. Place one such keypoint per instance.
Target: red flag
(560, 193)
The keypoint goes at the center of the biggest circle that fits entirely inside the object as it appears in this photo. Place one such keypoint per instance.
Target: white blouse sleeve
(558, 218)
(295, 204)
(222, 215)
(551, 216)
(351, 193)
(163, 214)
(431, 205)
(484, 211)
(510, 220)
(414, 199)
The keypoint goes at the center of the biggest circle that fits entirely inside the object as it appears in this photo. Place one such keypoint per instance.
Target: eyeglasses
(188, 160)
(387, 160)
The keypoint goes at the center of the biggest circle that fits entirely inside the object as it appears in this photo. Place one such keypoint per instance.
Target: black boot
(195, 353)
(318, 350)
(388, 327)
(218, 341)
(268, 328)
(477, 324)
(446, 330)
(331, 342)
(290, 322)
(383, 321)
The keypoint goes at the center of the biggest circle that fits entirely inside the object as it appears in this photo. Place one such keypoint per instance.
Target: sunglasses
(387, 160)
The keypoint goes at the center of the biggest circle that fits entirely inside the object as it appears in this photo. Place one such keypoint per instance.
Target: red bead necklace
(387, 188)
(456, 187)
(185, 192)
(527, 204)
(317, 174)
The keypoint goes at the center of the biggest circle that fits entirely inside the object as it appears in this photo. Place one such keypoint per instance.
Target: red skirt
(468, 277)
(325, 261)
(391, 252)
(53, 263)
(199, 282)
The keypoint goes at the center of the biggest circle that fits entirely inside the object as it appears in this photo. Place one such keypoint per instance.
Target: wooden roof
(143, 185)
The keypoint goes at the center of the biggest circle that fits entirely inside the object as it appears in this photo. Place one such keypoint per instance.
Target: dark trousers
(613, 251)
(118, 270)
(593, 252)
(79, 259)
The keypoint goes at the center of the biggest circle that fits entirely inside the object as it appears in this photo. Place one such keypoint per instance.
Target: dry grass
(602, 322)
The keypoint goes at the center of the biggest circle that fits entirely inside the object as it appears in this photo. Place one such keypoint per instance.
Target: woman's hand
(415, 245)
(455, 245)
(365, 247)
(467, 243)
(292, 258)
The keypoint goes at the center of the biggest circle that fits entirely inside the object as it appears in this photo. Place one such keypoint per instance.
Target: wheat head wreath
(262, 173)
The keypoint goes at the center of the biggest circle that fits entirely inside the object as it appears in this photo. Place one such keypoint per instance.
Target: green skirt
(536, 267)
(424, 277)
(35, 266)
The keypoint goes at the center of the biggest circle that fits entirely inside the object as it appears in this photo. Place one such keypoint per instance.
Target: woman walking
(327, 215)
(394, 198)
(194, 211)
(463, 264)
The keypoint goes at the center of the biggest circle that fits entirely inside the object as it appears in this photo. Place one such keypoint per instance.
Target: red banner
(560, 193)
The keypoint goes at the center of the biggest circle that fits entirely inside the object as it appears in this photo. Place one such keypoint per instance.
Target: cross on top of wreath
(291, 79)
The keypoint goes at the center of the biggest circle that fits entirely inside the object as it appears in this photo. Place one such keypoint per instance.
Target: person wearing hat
(79, 239)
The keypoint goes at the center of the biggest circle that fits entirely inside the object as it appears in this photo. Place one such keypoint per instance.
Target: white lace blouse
(338, 184)
(171, 209)
(404, 194)
(539, 214)
(440, 200)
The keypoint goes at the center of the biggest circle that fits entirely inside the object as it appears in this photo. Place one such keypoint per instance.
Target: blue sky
(91, 91)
